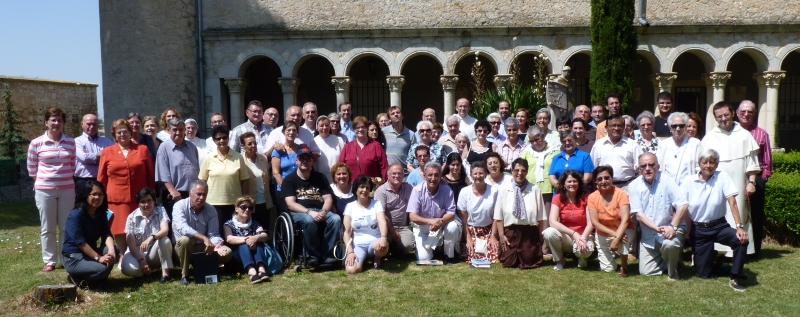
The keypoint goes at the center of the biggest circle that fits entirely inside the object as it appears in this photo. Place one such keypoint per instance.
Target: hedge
(786, 162)
(782, 204)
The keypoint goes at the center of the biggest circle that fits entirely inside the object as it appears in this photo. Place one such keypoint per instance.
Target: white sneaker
(558, 267)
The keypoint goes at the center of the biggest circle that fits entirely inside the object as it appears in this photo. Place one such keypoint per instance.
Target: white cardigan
(534, 205)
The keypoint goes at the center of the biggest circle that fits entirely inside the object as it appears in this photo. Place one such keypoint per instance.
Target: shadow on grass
(770, 254)
(18, 214)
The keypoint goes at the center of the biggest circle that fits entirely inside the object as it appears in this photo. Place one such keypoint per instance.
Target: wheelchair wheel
(339, 250)
(282, 238)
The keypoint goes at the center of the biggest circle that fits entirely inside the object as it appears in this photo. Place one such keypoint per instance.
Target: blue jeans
(248, 257)
(313, 231)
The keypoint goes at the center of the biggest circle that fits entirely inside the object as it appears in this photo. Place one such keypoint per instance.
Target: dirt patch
(26, 305)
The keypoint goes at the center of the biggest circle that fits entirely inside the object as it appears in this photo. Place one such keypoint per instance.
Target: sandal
(255, 279)
(623, 272)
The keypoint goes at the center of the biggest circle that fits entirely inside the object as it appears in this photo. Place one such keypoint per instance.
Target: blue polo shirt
(82, 228)
(579, 161)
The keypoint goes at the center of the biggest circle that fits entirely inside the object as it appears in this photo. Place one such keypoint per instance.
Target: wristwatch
(751, 182)
(154, 237)
(97, 258)
(674, 228)
(739, 225)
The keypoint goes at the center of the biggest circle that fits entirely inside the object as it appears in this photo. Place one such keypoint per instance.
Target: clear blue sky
(52, 40)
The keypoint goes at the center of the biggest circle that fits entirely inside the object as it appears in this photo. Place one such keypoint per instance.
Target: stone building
(33, 96)
(217, 56)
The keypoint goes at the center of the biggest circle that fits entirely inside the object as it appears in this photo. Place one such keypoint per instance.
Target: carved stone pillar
(502, 82)
(715, 92)
(341, 84)
(449, 82)
(236, 88)
(289, 89)
(552, 77)
(662, 82)
(768, 83)
(395, 88)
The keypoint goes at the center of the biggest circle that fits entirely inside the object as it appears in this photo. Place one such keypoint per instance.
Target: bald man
(271, 117)
(87, 150)
(467, 125)
(427, 115)
(747, 119)
(276, 138)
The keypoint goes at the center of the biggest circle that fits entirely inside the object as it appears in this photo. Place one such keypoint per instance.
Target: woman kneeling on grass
(610, 212)
(247, 240)
(364, 228)
(569, 225)
(147, 231)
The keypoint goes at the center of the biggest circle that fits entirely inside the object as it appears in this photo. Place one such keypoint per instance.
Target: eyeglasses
(423, 155)
(480, 131)
(677, 126)
(651, 165)
(245, 207)
(220, 139)
(421, 131)
(495, 122)
(604, 178)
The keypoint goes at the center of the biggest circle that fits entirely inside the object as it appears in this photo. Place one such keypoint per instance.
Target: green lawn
(405, 290)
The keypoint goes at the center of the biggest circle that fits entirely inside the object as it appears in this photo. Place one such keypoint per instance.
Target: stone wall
(149, 57)
(32, 97)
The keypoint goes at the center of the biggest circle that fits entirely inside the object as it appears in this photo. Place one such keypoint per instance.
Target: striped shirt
(143, 227)
(510, 153)
(86, 150)
(764, 149)
(52, 163)
(397, 144)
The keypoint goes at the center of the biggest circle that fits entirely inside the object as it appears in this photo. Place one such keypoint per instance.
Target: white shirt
(623, 157)
(507, 179)
(329, 150)
(480, 209)
(260, 198)
(534, 206)
(467, 126)
(678, 162)
(708, 200)
(364, 221)
(657, 202)
(303, 137)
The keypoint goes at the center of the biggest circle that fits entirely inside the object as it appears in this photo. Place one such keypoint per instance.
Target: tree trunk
(55, 294)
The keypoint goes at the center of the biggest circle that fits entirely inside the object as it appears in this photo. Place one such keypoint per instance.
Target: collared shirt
(82, 228)
(143, 227)
(764, 149)
(430, 206)
(708, 200)
(579, 161)
(499, 139)
(679, 161)
(262, 133)
(467, 126)
(591, 123)
(435, 151)
(509, 152)
(370, 160)
(186, 222)
(448, 144)
(303, 137)
(177, 164)
(347, 130)
(623, 157)
(395, 203)
(657, 202)
(312, 129)
(87, 150)
(397, 144)
(51, 162)
(534, 205)
(224, 176)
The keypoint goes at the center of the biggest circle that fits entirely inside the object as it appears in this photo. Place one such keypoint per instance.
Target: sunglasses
(424, 131)
(676, 126)
(220, 139)
(495, 122)
(245, 207)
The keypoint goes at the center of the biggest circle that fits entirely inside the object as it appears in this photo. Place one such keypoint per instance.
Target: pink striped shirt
(52, 163)
(764, 149)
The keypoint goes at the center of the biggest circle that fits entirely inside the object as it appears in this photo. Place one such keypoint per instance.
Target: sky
(52, 40)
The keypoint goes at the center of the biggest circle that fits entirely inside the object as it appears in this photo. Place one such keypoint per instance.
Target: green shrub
(782, 202)
(786, 162)
(614, 43)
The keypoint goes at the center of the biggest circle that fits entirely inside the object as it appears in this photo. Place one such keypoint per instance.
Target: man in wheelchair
(310, 201)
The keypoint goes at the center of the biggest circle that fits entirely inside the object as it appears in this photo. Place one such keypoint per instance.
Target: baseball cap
(303, 149)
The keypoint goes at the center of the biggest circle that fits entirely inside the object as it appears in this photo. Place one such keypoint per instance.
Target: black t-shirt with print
(308, 192)
(661, 128)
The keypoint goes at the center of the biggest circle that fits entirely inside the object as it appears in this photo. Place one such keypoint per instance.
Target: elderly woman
(454, 174)
(481, 147)
(335, 123)
(248, 240)
(138, 136)
(364, 155)
(365, 228)
(523, 118)
(475, 209)
(383, 120)
(375, 133)
(259, 180)
(462, 144)
(579, 127)
(694, 125)
(520, 218)
(227, 175)
(571, 158)
(425, 130)
(151, 129)
(84, 260)
(166, 116)
(124, 169)
(543, 122)
(496, 170)
(539, 156)
(417, 176)
(329, 144)
(341, 187)
(647, 141)
(147, 232)
(191, 136)
(284, 162)
(569, 225)
(496, 136)
(609, 210)
(51, 164)
(677, 156)
(708, 192)
(630, 127)
(513, 146)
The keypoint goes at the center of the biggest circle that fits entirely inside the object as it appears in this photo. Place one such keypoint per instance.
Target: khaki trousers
(558, 242)
(186, 246)
(664, 257)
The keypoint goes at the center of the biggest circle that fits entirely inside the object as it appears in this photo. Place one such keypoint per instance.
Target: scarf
(519, 202)
(242, 225)
(540, 161)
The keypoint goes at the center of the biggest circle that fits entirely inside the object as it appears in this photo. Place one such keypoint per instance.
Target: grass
(403, 289)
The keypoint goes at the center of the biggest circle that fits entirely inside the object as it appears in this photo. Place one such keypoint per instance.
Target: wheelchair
(289, 242)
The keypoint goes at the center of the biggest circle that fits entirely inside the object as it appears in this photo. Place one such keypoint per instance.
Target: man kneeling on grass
(431, 208)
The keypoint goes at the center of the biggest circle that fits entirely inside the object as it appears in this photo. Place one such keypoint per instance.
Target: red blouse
(370, 160)
(572, 215)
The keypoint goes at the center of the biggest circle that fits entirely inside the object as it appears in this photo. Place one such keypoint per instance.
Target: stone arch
(294, 61)
(780, 57)
(756, 52)
(707, 54)
(238, 67)
(546, 51)
(651, 56)
(411, 52)
(569, 53)
(355, 54)
(492, 54)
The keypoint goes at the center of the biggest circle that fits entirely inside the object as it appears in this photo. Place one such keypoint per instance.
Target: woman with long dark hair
(454, 174)
(569, 225)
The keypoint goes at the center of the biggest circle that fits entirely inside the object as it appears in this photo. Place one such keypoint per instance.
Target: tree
(614, 42)
(12, 143)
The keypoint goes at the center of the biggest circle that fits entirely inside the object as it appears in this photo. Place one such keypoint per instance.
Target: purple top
(426, 205)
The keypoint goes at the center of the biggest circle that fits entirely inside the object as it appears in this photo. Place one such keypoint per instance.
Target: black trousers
(757, 213)
(704, 253)
(224, 213)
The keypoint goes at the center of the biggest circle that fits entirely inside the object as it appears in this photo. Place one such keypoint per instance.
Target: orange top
(609, 215)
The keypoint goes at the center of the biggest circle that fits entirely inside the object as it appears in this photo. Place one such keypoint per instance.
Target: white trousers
(54, 207)
(558, 242)
(452, 237)
(604, 254)
(159, 256)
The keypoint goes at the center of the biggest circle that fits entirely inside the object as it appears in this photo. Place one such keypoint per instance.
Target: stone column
(662, 82)
(395, 88)
(502, 82)
(341, 84)
(715, 92)
(768, 83)
(289, 89)
(236, 87)
(449, 86)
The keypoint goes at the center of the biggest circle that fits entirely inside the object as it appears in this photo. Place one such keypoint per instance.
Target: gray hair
(681, 115)
(333, 114)
(309, 104)
(435, 165)
(543, 110)
(633, 122)
(534, 131)
(648, 153)
(708, 154)
(461, 135)
(747, 102)
(199, 182)
(645, 115)
(424, 122)
(493, 115)
(451, 118)
(189, 121)
(511, 121)
(568, 134)
(174, 122)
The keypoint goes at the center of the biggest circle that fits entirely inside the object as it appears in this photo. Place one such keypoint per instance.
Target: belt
(710, 223)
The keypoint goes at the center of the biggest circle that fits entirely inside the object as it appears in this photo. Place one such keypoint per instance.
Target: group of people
(497, 190)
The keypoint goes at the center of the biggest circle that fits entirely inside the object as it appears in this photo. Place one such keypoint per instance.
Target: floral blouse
(250, 231)
(652, 148)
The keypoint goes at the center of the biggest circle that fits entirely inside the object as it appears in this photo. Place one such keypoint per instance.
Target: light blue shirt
(656, 201)
(347, 130)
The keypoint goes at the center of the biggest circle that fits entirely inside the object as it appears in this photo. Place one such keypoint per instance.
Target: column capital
(236, 84)
(395, 82)
(288, 84)
(502, 82)
(448, 81)
(340, 83)
(716, 79)
(771, 79)
(663, 81)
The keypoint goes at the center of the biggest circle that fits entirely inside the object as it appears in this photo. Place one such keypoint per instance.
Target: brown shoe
(49, 268)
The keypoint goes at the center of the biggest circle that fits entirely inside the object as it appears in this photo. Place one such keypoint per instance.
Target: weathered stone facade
(32, 97)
